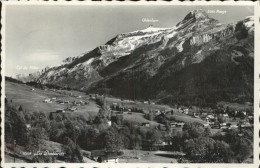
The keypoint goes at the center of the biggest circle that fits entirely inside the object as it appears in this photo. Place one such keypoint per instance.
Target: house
(28, 126)
(196, 115)
(60, 111)
(109, 123)
(47, 100)
(233, 127)
(211, 116)
(73, 108)
(245, 125)
(157, 112)
(145, 102)
(224, 126)
(106, 159)
(173, 124)
(181, 124)
(54, 98)
(225, 116)
(102, 156)
(146, 124)
(185, 111)
(206, 125)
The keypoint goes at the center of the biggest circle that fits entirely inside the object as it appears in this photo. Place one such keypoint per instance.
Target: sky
(39, 36)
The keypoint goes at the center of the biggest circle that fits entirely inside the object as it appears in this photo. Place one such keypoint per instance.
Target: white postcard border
(142, 165)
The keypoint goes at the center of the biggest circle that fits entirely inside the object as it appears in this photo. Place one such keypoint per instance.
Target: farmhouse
(28, 126)
(196, 115)
(173, 124)
(147, 124)
(47, 101)
(106, 159)
(60, 111)
(102, 156)
(181, 124)
(185, 111)
(157, 112)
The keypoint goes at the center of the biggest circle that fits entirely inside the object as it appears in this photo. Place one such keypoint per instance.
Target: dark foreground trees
(201, 147)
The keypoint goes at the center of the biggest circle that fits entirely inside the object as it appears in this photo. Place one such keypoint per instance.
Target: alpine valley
(200, 61)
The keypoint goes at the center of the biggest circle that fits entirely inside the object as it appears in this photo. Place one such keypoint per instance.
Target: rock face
(166, 63)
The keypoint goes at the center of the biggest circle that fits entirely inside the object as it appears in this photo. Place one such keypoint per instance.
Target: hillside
(199, 61)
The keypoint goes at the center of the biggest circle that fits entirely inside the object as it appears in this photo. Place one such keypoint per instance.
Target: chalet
(60, 111)
(102, 156)
(47, 100)
(224, 126)
(161, 143)
(225, 116)
(185, 111)
(204, 114)
(246, 125)
(147, 124)
(28, 126)
(73, 108)
(181, 124)
(196, 115)
(206, 125)
(157, 112)
(173, 124)
(233, 127)
(211, 116)
(107, 159)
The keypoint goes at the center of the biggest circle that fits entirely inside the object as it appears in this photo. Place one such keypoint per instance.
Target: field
(140, 156)
(33, 100)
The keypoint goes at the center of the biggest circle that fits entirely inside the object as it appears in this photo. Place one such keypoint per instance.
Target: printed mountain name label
(217, 11)
(149, 20)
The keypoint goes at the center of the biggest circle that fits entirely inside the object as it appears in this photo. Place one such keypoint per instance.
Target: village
(143, 116)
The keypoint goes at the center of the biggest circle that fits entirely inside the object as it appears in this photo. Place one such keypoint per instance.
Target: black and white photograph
(129, 83)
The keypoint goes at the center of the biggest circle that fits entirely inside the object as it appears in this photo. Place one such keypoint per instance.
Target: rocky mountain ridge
(148, 61)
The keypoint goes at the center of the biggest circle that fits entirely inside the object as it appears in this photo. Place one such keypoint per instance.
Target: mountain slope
(198, 61)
